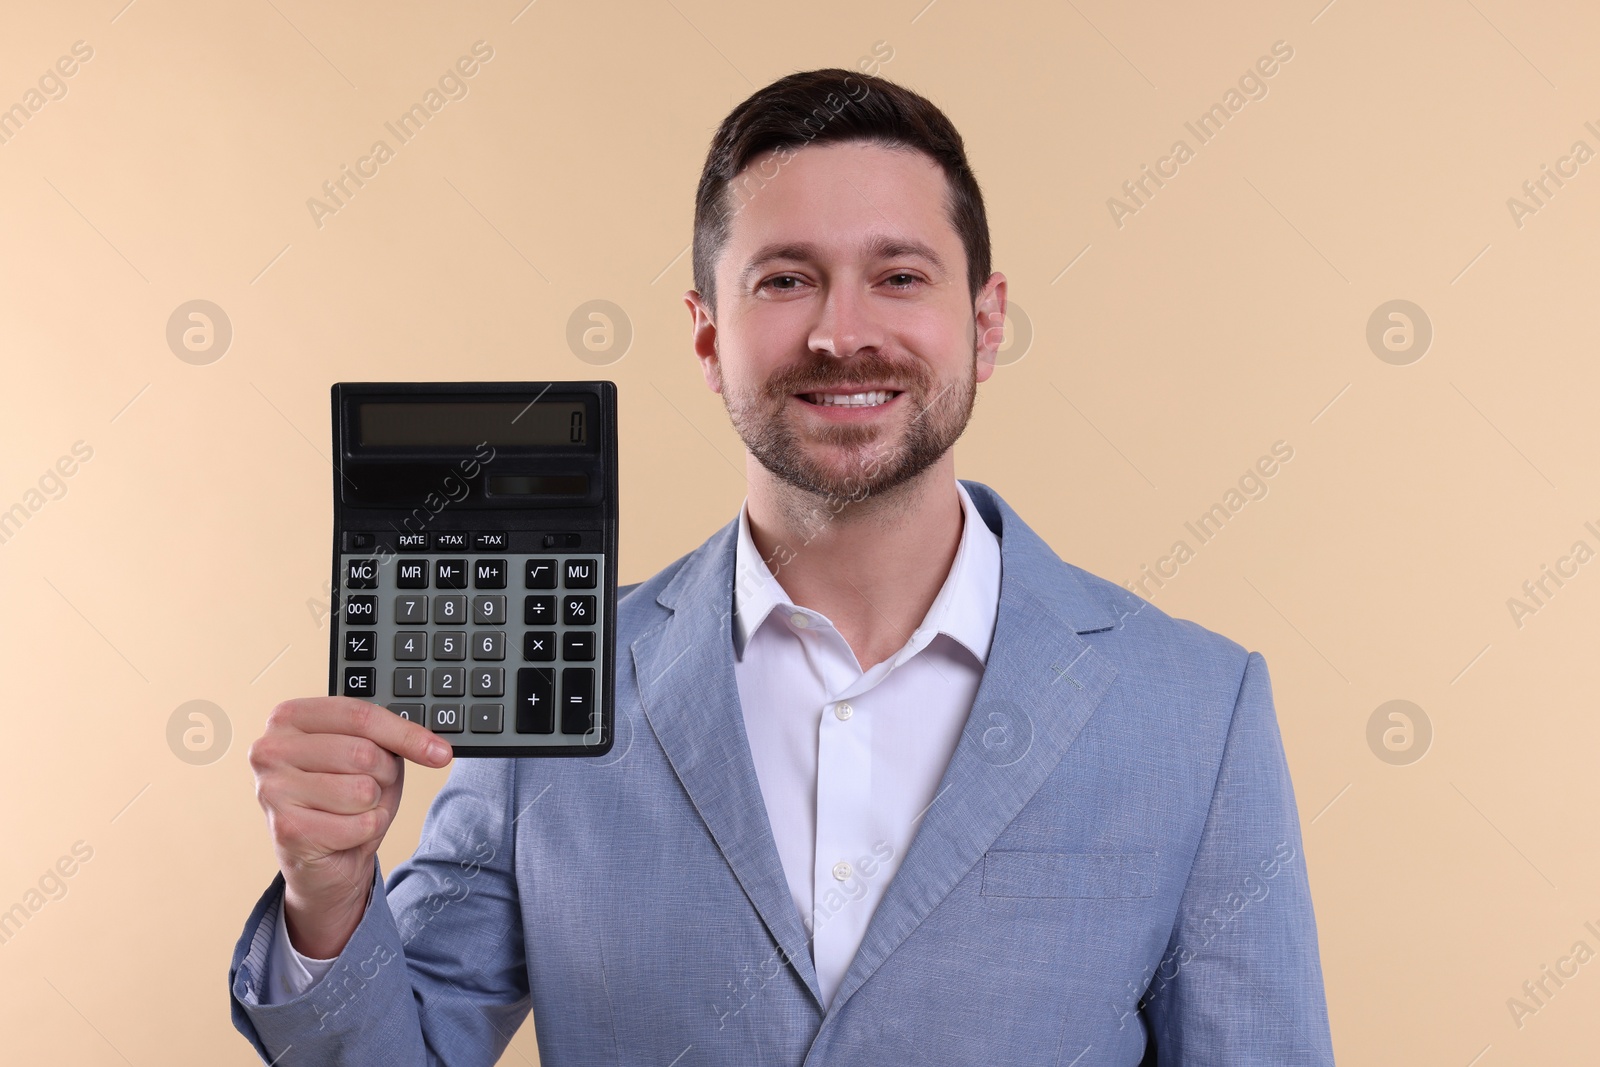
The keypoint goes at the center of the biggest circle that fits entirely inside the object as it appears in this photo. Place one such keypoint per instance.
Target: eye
(772, 283)
(911, 279)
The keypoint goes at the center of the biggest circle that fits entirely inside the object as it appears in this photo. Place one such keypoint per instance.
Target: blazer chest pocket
(1018, 873)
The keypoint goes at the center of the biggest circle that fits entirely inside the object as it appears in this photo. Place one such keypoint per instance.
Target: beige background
(184, 559)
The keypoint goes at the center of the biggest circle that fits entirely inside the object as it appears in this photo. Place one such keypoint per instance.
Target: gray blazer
(1110, 873)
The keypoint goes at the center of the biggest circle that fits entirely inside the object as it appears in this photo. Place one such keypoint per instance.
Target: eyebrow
(876, 247)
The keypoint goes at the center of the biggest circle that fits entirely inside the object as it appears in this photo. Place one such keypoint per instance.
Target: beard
(852, 462)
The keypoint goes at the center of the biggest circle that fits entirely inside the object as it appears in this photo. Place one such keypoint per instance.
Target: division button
(538, 610)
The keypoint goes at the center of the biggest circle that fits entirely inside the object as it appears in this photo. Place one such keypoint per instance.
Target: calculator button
(488, 681)
(489, 644)
(577, 610)
(410, 609)
(489, 574)
(449, 541)
(579, 573)
(411, 574)
(489, 542)
(445, 719)
(449, 681)
(449, 644)
(577, 645)
(360, 610)
(450, 573)
(541, 574)
(360, 645)
(412, 542)
(360, 681)
(535, 700)
(411, 681)
(538, 610)
(577, 699)
(450, 609)
(488, 610)
(411, 644)
(539, 646)
(487, 718)
(410, 712)
(361, 574)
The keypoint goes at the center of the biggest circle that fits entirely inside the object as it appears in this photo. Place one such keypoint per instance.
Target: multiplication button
(539, 646)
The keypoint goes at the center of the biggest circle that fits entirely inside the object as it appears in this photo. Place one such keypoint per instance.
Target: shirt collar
(965, 608)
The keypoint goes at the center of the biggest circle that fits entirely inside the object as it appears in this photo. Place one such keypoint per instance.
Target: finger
(347, 715)
(335, 794)
(338, 754)
(309, 834)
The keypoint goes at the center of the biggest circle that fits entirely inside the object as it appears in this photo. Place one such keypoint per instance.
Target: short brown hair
(833, 105)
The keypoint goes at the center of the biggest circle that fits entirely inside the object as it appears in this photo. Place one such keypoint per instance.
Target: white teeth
(851, 400)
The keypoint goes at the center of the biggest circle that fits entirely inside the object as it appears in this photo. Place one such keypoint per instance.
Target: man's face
(846, 345)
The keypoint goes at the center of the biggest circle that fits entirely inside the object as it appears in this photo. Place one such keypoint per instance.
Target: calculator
(475, 560)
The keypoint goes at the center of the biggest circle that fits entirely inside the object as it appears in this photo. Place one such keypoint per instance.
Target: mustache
(827, 372)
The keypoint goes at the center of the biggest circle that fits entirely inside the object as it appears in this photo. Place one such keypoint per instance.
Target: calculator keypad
(501, 648)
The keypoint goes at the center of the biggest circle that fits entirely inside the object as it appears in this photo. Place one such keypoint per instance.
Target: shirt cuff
(289, 973)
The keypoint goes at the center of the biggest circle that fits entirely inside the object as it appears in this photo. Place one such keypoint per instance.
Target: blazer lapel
(691, 699)
(1040, 685)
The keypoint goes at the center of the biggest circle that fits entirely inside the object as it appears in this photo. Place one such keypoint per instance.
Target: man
(893, 783)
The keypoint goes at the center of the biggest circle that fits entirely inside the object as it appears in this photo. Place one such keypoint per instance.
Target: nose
(846, 324)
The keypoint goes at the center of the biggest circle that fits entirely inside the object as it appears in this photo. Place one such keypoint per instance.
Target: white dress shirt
(847, 760)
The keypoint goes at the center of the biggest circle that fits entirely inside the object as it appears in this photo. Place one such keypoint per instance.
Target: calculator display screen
(468, 424)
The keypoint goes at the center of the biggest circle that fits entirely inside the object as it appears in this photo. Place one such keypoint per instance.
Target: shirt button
(843, 710)
(841, 870)
(800, 620)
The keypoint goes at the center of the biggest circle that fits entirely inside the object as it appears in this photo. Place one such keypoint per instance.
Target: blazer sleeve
(435, 972)
(1241, 980)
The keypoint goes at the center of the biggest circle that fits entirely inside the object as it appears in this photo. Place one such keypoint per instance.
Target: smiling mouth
(869, 399)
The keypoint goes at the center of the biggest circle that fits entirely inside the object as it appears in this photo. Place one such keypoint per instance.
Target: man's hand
(328, 777)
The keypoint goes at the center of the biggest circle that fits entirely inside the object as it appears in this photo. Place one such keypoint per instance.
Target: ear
(990, 309)
(703, 335)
